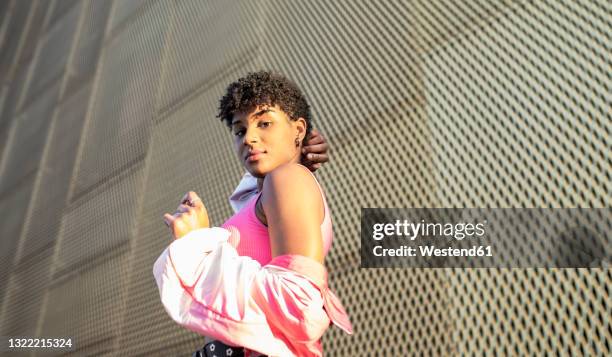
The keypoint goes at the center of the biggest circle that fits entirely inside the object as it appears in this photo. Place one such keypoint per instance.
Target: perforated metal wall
(107, 117)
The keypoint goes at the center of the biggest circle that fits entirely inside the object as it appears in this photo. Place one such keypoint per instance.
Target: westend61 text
(432, 251)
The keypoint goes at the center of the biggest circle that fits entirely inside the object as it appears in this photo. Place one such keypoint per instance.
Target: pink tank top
(254, 238)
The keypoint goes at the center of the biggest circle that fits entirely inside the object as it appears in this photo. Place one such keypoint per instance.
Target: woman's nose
(251, 136)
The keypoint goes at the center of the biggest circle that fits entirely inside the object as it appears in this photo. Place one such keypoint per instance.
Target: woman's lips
(255, 155)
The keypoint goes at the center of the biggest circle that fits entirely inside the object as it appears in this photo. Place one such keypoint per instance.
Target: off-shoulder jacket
(279, 309)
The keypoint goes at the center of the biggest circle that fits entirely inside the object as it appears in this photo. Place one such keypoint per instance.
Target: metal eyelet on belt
(219, 349)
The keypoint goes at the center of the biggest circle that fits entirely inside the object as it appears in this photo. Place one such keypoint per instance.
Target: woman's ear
(300, 125)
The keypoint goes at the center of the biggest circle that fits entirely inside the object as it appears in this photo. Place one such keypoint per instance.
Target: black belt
(217, 348)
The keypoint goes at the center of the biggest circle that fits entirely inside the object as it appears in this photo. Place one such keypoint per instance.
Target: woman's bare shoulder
(292, 182)
(290, 176)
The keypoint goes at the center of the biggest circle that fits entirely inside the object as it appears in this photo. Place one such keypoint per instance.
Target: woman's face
(264, 139)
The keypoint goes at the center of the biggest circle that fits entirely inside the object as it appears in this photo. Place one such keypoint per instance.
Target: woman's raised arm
(294, 210)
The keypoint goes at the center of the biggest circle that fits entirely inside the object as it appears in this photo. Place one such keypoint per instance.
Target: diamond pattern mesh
(54, 49)
(107, 117)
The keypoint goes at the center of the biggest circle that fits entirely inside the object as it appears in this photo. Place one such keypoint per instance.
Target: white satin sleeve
(245, 190)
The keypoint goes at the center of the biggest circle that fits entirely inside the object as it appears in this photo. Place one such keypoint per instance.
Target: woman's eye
(265, 124)
(239, 132)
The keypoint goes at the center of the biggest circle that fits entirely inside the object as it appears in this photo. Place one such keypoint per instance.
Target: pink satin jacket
(279, 309)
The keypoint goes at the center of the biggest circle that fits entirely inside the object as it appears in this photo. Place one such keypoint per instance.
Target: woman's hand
(190, 215)
(314, 152)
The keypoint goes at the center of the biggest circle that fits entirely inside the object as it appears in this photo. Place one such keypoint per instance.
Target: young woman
(258, 283)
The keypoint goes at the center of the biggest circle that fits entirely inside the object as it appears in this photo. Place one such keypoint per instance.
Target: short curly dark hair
(265, 88)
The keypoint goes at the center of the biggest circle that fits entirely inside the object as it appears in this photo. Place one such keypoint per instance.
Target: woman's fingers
(189, 215)
(183, 208)
(315, 138)
(321, 148)
(185, 197)
(315, 152)
(180, 223)
(168, 219)
(312, 159)
(192, 199)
